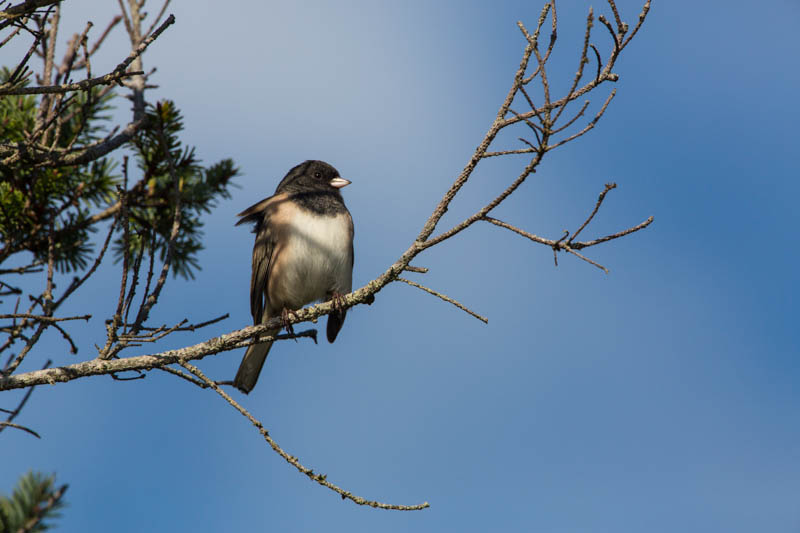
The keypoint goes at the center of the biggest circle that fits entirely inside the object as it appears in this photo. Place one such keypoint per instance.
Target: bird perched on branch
(303, 252)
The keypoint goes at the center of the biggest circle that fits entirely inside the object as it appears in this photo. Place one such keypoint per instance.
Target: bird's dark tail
(250, 368)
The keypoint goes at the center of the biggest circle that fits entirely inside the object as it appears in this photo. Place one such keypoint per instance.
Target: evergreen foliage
(33, 504)
(75, 199)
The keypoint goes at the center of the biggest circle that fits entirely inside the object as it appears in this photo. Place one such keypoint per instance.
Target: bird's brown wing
(263, 248)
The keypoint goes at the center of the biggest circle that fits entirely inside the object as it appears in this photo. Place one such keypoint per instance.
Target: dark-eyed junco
(303, 253)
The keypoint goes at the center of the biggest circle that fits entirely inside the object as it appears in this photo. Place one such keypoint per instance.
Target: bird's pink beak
(339, 182)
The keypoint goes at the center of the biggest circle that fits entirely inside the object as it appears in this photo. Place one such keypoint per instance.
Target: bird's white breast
(318, 258)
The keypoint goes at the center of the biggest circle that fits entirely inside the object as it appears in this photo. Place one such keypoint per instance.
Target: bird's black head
(315, 185)
(312, 176)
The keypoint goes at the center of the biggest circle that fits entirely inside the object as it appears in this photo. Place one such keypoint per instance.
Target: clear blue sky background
(662, 397)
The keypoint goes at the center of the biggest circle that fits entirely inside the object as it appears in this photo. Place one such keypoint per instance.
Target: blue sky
(660, 397)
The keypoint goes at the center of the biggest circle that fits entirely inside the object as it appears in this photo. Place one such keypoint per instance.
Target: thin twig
(556, 245)
(17, 426)
(573, 119)
(112, 328)
(152, 298)
(614, 37)
(573, 252)
(184, 375)
(80, 281)
(621, 27)
(83, 85)
(43, 318)
(600, 199)
(73, 348)
(28, 269)
(527, 171)
(586, 244)
(589, 126)
(509, 152)
(534, 39)
(571, 247)
(581, 63)
(25, 8)
(642, 16)
(96, 46)
(158, 17)
(319, 478)
(190, 327)
(430, 225)
(115, 75)
(446, 299)
(599, 62)
(13, 414)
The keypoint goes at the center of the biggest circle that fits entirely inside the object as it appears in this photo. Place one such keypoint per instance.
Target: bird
(303, 252)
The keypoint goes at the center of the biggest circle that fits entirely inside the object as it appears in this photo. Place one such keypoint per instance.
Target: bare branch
(96, 46)
(556, 245)
(13, 414)
(589, 126)
(73, 348)
(27, 269)
(158, 17)
(438, 213)
(623, 233)
(17, 426)
(40, 318)
(77, 282)
(230, 341)
(509, 152)
(567, 246)
(78, 157)
(83, 85)
(599, 62)
(190, 327)
(20, 74)
(115, 75)
(642, 16)
(144, 311)
(576, 254)
(112, 328)
(446, 299)
(621, 27)
(319, 478)
(573, 119)
(600, 199)
(527, 171)
(184, 375)
(25, 8)
(581, 63)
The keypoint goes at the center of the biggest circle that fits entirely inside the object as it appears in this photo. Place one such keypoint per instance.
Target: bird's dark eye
(317, 175)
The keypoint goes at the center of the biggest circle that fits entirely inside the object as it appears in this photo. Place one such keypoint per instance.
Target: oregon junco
(303, 252)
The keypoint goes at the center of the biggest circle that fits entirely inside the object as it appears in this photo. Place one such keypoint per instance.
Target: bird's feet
(337, 299)
(285, 317)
